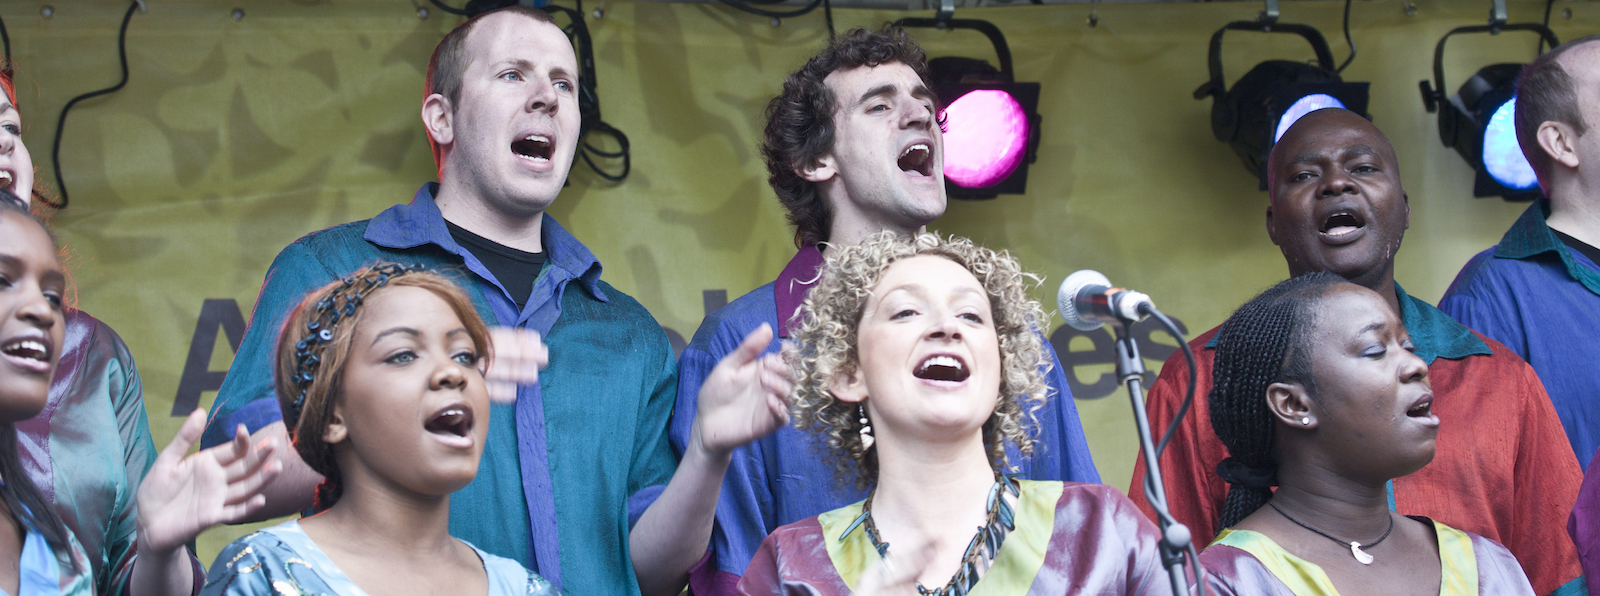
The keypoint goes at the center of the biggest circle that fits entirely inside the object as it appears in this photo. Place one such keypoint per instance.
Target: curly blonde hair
(825, 345)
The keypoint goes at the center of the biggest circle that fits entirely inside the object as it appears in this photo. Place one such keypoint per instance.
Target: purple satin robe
(1099, 544)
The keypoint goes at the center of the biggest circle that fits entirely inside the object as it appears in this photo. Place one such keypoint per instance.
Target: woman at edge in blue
(38, 553)
(381, 380)
(1317, 393)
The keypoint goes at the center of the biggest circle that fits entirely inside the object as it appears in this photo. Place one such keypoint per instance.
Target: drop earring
(866, 428)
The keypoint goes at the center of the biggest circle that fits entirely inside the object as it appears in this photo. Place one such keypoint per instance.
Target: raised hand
(744, 398)
(184, 495)
(518, 356)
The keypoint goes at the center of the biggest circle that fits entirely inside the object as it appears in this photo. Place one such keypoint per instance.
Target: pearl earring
(1305, 420)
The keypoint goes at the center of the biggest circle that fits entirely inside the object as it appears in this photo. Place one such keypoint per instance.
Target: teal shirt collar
(1531, 236)
(1434, 333)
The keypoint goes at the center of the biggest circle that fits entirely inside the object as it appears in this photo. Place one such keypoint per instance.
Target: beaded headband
(339, 304)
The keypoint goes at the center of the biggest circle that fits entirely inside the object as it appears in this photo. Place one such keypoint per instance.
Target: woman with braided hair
(381, 381)
(918, 363)
(1321, 402)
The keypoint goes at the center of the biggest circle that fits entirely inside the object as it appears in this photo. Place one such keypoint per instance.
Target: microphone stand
(1175, 537)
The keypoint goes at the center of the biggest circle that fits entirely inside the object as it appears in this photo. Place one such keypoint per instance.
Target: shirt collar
(419, 223)
(794, 284)
(1531, 236)
(1433, 333)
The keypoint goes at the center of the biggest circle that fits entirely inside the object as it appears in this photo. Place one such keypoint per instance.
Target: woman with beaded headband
(918, 363)
(90, 451)
(1317, 393)
(381, 381)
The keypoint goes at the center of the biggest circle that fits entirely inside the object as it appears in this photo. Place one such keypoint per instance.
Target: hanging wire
(1347, 37)
(447, 8)
(622, 141)
(745, 6)
(6, 39)
(827, 13)
(1548, 4)
(55, 151)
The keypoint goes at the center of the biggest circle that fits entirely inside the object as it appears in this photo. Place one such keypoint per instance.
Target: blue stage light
(1478, 121)
(1502, 156)
(1301, 107)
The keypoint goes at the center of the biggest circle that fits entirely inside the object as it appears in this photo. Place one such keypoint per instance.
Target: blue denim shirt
(788, 476)
(569, 467)
(1542, 300)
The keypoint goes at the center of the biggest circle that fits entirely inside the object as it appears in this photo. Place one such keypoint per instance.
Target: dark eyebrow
(50, 277)
(1373, 327)
(880, 90)
(1307, 157)
(519, 63)
(922, 92)
(559, 72)
(1358, 151)
(391, 331)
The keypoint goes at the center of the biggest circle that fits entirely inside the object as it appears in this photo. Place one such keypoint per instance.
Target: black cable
(827, 13)
(1172, 428)
(741, 5)
(1347, 37)
(6, 38)
(1548, 4)
(1188, 399)
(55, 151)
(447, 8)
(622, 141)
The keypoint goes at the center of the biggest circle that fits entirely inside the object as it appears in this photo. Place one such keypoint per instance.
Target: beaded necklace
(980, 552)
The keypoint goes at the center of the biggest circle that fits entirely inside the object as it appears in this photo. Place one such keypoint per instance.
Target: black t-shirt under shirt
(516, 270)
(1580, 246)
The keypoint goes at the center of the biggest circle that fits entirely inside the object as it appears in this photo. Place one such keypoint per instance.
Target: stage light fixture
(1262, 104)
(1477, 120)
(991, 121)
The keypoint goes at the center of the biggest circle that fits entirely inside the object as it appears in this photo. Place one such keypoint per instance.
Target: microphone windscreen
(1067, 298)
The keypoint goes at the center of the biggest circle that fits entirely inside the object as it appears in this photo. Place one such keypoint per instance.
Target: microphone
(1087, 300)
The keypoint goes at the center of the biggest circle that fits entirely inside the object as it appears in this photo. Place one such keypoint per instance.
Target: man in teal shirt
(574, 480)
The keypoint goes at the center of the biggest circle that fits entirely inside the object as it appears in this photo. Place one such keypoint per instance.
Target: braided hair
(1266, 341)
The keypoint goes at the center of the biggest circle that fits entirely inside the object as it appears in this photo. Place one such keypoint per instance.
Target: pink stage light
(987, 140)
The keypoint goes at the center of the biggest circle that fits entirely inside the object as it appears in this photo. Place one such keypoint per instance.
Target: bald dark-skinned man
(1503, 468)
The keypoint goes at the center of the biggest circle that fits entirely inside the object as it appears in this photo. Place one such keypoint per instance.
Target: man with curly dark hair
(853, 147)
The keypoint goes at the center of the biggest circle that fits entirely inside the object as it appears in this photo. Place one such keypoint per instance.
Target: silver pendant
(1360, 555)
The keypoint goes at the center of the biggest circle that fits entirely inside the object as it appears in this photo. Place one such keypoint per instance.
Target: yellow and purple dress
(1068, 538)
(1249, 563)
